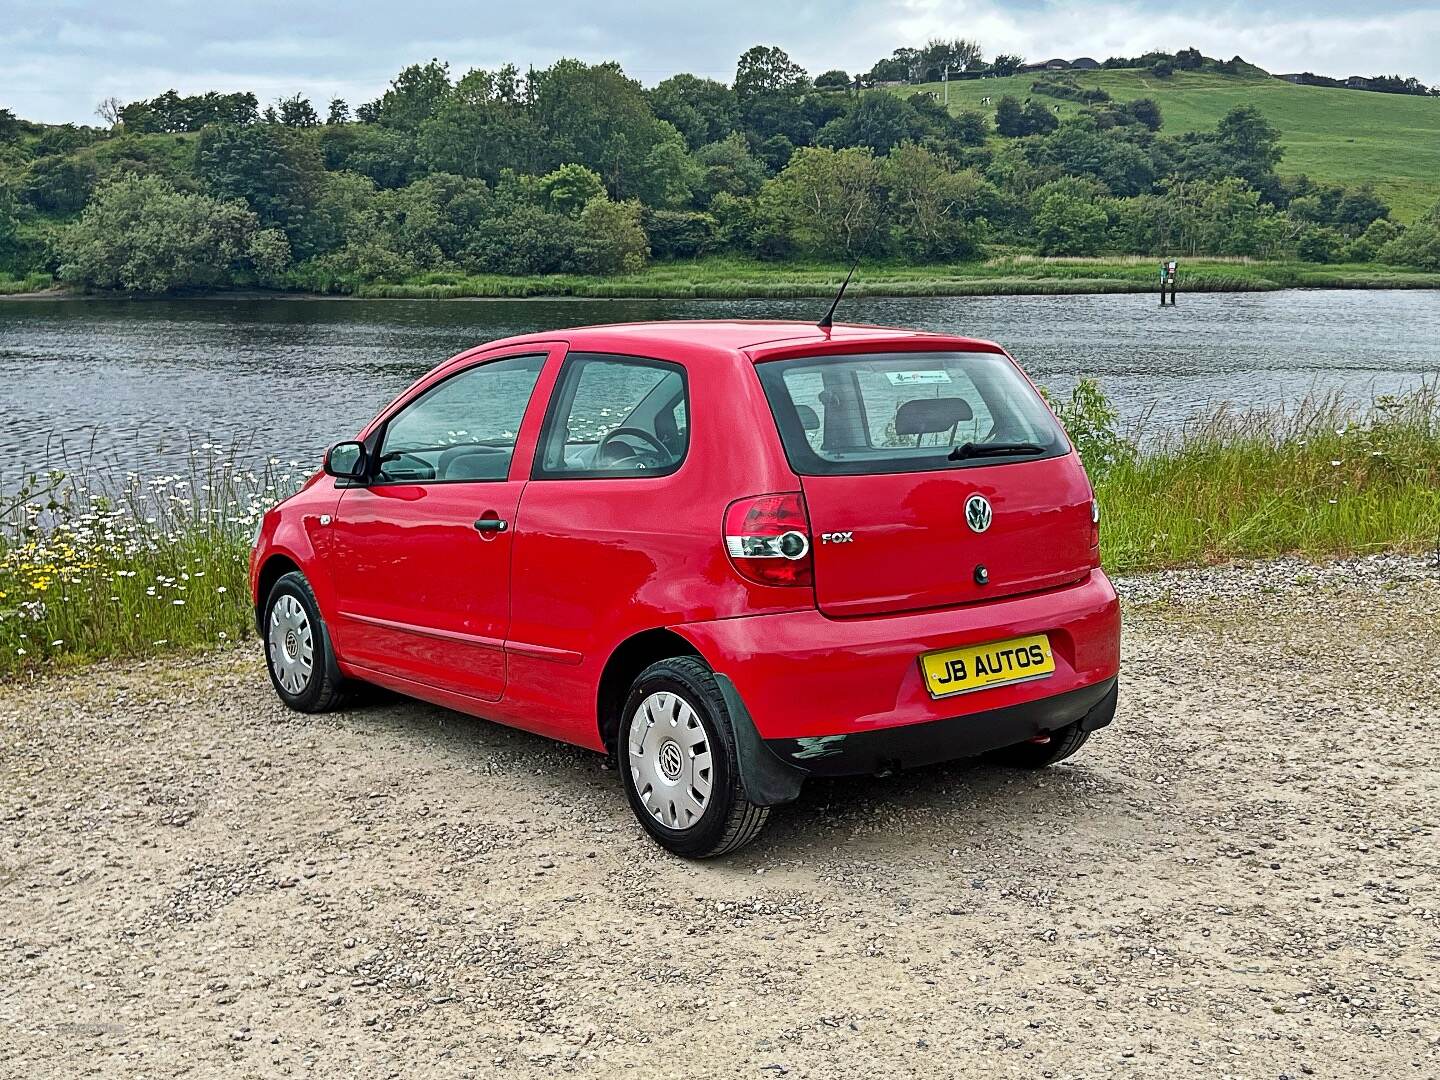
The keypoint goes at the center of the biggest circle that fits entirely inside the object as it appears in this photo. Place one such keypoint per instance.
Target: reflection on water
(143, 381)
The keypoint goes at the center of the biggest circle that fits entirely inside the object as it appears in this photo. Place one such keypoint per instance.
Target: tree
(140, 234)
(703, 110)
(1039, 118)
(834, 79)
(385, 155)
(1417, 246)
(1068, 219)
(1073, 150)
(415, 95)
(1162, 68)
(765, 69)
(678, 234)
(1144, 111)
(598, 117)
(1010, 117)
(481, 130)
(60, 183)
(937, 212)
(728, 166)
(670, 175)
(339, 112)
(108, 110)
(881, 121)
(296, 111)
(570, 187)
(10, 126)
(957, 55)
(1006, 64)
(770, 88)
(276, 171)
(612, 240)
(829, 202)
(1249, 143)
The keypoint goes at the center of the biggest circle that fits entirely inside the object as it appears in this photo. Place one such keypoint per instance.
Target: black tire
(1028, 755)
(324, 687)
(729, 820)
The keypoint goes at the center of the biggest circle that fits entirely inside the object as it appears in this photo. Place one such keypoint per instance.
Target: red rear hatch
(904, 542)
(932, 478)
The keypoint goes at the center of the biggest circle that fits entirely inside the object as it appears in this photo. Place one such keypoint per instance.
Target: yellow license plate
(959, 671)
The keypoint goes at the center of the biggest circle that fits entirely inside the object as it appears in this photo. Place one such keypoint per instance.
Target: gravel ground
(1237, 879)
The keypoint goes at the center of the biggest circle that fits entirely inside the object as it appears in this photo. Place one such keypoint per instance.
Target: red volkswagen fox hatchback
(732, 554)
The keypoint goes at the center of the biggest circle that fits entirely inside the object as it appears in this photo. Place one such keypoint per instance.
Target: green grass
(161, 566)
(1337, 136)
(113, 566)
(1321, 479)
(28, 283)
(728, 277)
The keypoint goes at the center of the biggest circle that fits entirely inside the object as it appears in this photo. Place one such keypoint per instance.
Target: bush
(141, 235)
(1094, 427)
(1417, 246)
(678, 234)
(611, 238)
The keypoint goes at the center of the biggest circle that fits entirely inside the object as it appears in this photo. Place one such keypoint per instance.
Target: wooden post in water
(1167, 281)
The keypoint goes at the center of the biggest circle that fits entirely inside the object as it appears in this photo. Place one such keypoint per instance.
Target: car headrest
(928, 416)
(809, 418)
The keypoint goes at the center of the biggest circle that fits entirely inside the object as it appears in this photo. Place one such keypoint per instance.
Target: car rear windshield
(906, 412)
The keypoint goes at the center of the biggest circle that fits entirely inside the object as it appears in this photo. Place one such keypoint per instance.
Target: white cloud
(56, 62)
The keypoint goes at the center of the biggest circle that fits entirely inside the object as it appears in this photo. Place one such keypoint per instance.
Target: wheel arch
(629, 658)
(276, 565)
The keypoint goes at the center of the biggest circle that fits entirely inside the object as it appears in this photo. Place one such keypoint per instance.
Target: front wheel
(678, 761)
(297, 647)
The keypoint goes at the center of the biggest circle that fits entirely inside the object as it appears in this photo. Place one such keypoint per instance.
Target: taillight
(768, 539)
(1095, 527)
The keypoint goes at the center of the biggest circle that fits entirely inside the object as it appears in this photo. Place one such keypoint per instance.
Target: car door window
(615, 416)
(461, 429)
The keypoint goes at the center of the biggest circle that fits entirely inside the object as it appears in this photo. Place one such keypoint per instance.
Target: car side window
(614, 416)
(461, 429)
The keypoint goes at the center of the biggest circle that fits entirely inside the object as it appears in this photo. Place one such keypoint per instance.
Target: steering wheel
(661, 450)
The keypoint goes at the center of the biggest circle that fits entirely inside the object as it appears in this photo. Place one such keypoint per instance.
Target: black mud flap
(768, 781)
(1104, 712)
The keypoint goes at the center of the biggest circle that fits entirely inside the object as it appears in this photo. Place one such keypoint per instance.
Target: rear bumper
(804, 676)
(914, 745)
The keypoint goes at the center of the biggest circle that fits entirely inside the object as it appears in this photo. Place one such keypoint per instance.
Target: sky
(59, 58)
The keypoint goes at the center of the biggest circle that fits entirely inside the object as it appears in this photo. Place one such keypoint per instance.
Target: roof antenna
(829, 319)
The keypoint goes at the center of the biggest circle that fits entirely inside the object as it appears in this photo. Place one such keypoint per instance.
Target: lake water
(140, 382)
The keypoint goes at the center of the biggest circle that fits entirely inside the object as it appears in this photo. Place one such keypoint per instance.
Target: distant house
(1359, 82)
(1086, 63)
(1049, 65)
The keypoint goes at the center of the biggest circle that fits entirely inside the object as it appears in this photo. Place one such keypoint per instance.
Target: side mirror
(346, 461)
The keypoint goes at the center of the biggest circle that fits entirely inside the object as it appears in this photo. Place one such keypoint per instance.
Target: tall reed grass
(1320, 478)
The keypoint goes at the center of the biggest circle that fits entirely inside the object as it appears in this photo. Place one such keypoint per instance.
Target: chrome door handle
(491, 525)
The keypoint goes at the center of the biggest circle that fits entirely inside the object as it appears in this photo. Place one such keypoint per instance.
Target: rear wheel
(1032, 755)
(297, 647)
(678, 762)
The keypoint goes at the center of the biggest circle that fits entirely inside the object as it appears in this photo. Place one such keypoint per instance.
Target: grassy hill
(1336, 136)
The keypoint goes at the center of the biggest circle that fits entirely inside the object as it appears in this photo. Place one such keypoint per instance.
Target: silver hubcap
(290, 644)
(670, 760)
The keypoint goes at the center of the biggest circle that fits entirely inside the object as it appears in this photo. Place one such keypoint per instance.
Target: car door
(604, 508)
(422, 550)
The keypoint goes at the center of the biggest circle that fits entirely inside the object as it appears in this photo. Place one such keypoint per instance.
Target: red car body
(543, 622)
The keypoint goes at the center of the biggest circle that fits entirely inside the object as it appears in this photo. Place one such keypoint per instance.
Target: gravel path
(1238, 879)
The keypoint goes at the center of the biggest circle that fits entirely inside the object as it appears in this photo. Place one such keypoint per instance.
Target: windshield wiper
(995, 449)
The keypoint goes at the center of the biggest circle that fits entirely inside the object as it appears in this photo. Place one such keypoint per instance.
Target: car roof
(761, 338)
